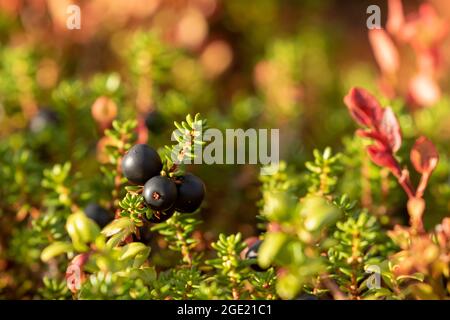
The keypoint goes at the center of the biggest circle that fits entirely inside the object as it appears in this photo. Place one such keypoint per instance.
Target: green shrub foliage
(359, 205)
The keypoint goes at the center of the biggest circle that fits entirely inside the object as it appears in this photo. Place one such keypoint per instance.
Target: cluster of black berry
(164, 195)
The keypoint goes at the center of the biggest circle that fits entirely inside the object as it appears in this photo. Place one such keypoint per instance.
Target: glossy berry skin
(191, 191)
(99, 214)
(161, 216)
(252, 253)
(141, 163)
(154, 121)
(160, 193)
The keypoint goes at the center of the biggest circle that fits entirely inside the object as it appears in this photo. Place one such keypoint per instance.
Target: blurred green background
(241, 64)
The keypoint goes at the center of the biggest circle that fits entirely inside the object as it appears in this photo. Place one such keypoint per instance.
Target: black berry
(252, 254)
(99, 214)
(43, 119)
(141, 163)
(145, 236)
(161, 216)
(155, 122)
(191, 191)
(160, 193)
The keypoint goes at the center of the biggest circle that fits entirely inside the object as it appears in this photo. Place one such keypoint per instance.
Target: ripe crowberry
(45, 118)
(161, 216)
(99, 214)
(191, 192)
(155, 122)
(252, 253)
(145, 236)
(141, 163)
(160, 193)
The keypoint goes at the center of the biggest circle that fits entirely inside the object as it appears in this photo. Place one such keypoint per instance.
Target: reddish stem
(422, 184)
(405, 182)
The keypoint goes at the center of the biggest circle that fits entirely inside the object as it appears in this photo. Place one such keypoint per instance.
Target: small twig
(422, 184)
(355, 258)
(235, 293)
(185, 252)
(333, 287)
(405, 183)
(366, 193)
(118, 176)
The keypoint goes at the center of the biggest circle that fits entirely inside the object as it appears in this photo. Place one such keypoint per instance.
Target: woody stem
(422, 184)
(405, 182)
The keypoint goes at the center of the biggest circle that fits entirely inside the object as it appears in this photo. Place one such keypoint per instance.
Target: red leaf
(390, 129)
(384, 50)
(363, 107)
(381, 141)
(423, 90)
(383, 158)
(424, 156)
(396, 18)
